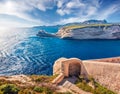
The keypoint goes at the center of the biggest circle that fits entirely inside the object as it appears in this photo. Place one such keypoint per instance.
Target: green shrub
(64, 93)
(48, 91)
(102, 90)
(45, 90)
(43, 78)
(38, 89)
(26, 91)
(8, 89)
(85, 86)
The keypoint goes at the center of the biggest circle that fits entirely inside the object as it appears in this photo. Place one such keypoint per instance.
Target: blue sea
(22, 52)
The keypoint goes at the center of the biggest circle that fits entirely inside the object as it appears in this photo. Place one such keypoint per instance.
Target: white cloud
(108, 11)
(91, 11)
(80, 10)
(42, 5)
(61, 12)
(12, 21)
(86, 10)
(21, 8)
(74, 4)
(70, 4)
(14, 8)
(59, 4)
(71, 19)
(77, 7)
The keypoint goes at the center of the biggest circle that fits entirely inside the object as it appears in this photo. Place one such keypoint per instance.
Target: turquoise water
(22, 52)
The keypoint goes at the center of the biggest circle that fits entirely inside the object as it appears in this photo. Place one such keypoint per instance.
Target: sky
(26, 13)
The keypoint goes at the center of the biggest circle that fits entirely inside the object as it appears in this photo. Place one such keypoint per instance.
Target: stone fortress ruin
(105, 71)
(68, 67)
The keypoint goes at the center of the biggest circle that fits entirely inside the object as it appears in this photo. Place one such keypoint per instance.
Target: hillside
(41, 84)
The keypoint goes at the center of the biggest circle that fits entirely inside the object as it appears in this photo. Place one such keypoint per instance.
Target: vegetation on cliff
(39, 84)
(85, 26)
(9, 89)
(90, 85)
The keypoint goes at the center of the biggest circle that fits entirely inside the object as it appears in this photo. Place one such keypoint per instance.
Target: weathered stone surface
(107, 74)
(68, 85)
(23, 79)
(74, 88)
(109, 60)
(105, 71)
(90, 32)
(69, 67)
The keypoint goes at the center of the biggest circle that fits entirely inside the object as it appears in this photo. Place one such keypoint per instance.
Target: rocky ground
(36, 84)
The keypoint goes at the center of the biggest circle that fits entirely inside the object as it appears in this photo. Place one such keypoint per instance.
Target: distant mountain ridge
(95, 22)
(77, 23)
(88, 22)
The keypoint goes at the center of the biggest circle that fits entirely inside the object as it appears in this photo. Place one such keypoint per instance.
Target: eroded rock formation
(90, 32)
(43, 33)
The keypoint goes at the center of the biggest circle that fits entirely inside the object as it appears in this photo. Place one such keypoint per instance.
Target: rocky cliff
(42, 33)
(90, 31)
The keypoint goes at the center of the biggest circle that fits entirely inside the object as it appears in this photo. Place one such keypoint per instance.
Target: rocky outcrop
(43, 33)
(96, 31)
(23, 80)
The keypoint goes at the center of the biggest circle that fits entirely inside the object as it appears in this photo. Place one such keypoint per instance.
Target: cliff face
(90, 32)
(42, 33)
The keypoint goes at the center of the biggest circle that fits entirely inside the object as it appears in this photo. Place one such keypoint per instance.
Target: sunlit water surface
(22, 52)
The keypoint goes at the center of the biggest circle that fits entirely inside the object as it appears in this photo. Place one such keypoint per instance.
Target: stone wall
(107, 74)
(57, 67)
(105, 71)
(109, 60)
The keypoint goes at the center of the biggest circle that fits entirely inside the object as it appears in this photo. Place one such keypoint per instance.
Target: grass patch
(83, 84)
(45, 90)
(65, 93)
(42, 78)
(98, 89)
(84, 26)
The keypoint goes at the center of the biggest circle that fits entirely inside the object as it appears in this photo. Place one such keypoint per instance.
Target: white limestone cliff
(90, 32)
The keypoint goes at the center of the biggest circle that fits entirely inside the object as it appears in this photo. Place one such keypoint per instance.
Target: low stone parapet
(58, 79)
